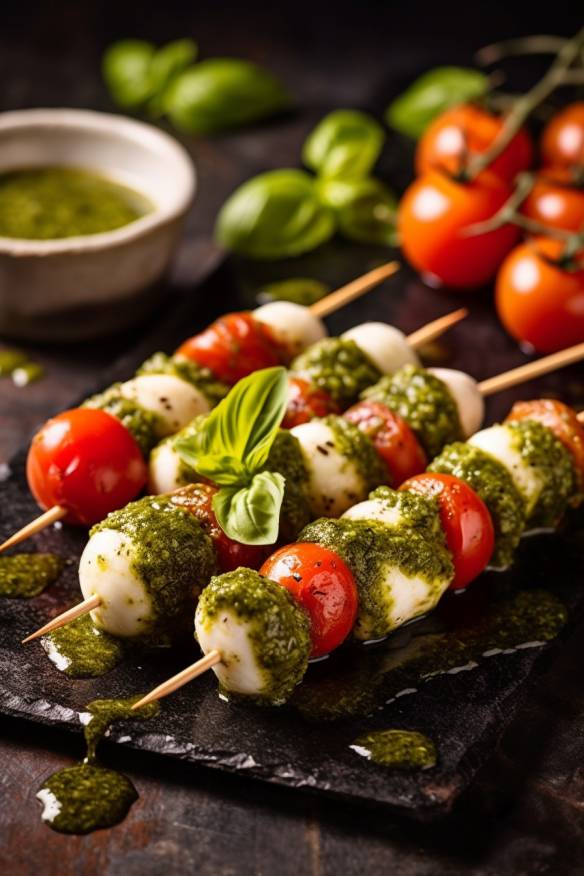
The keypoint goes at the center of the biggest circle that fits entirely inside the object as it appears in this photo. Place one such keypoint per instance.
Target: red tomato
(554, 202)
(393, 439)
(464, 131)
(323, 585)
(306, 401)
(232, 347)
(465, 520)
(198, 499)
(562, 141)
(539, 302)
(560, 419)
(87, 462)
(433, 218)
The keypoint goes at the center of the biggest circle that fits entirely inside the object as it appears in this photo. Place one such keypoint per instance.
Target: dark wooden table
(525, 812)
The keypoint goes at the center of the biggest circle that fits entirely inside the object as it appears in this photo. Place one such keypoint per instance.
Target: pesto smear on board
(81, 650)
(25, 575)
(49, 203)
(17, 365)
(87, 797)
(398, 749)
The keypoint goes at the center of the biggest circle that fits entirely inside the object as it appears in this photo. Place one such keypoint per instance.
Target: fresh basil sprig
(345, 143)
(365, 209)
(432, 94)
(230, 449)
(126, 71)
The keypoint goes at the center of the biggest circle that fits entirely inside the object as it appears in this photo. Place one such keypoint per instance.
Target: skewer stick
(354, 289)
(181, 678)
(434, 329)
(51, 516)
(66, 617)
(532, 370)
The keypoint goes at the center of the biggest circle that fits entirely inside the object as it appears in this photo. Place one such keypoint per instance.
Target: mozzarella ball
(174, 401)
(293, 326)
(385, 345)
(500, 442)
(376, 509)
(467, 395)
(166, 470)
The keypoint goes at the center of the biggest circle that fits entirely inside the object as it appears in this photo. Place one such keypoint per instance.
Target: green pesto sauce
(88, 797)
(10, 360)
(542, 450)
(142, 424)
(172, 556)
(299, 290)
(285, 457)
(48, 203)
(368, 547)
(355, 446)
(81, 650)
(420, 513)
(493, 483)
(25, 575)
(338, 366)
(199, 377)
(424, 402)
(16, 364)
(279, 628)
(397, 749)
(373, 677)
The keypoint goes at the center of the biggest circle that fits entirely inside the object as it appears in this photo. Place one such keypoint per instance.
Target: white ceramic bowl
(81, 287)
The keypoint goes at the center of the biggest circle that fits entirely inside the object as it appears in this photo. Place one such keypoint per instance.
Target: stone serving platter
(463, 709)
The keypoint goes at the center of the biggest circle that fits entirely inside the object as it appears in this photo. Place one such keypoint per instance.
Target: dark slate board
(464, 712)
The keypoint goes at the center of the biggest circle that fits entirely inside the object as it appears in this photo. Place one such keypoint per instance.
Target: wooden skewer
(37, 525)
(181, 678)
(434, 329)
(532, 370)
(66, 617)
(354, 289)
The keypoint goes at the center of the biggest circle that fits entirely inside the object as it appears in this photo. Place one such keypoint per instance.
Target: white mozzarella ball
(500, 442)
(231, 635)
(106, 570)
(384, 345)
(165, 469)
(334, 481)
(378, 510)
(467, 395)
(174, 401)
(292, 325)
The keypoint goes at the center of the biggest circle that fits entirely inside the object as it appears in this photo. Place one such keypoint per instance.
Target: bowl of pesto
(91, 211)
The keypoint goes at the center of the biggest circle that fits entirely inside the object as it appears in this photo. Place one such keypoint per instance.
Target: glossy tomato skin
(305, 402)
(434, 216)
(562, 141)
(86, 461)
(560, 419)
(465, 520)
(466, 130)
(232, 347)
(393, 439)
(538, 302)
(323, 585)
(230, 554)
(554, 202)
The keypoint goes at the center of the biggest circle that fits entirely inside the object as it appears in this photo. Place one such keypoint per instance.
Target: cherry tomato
(306, 401)
(87, 462)
(323, 585)
(465, 130)
(433, 218)
(539, 302)
(562, 141)
(232, 347)
(465, 520)
(198, 499)
(393, 439)
(554, 201)
(560, 419)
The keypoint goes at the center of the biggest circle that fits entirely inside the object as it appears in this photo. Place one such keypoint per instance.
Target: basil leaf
(251, 515)
(431, 94)
(275, 215)
(345, 143)
(166, 64)
(126, 68)
(300, 290)
(222, 93)
(365, 209)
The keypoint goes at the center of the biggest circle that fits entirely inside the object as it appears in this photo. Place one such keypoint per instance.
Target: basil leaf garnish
(345, 143)
(431, 94)
(365, 209)
(300, 290)
(167, 63)
(251, 514)
(126, 72)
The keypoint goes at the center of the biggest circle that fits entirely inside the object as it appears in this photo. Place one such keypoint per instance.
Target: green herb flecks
(23, 576)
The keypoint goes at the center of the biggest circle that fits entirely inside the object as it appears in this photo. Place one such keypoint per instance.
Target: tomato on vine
(554, 201)
(562, 141)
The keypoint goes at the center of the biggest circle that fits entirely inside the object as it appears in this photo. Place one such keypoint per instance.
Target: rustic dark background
(525, 812)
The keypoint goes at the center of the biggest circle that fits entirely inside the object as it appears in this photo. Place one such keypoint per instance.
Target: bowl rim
(124, 128)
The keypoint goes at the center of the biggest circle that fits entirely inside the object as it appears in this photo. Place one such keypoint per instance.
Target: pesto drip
(339, 367)
(397, 749)
(23, 576)
(16, 364)
(424, 402)
(143, 425)
(493, 483)
(88, 796)
(355, 446)
(81, 650)
(198, 376)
